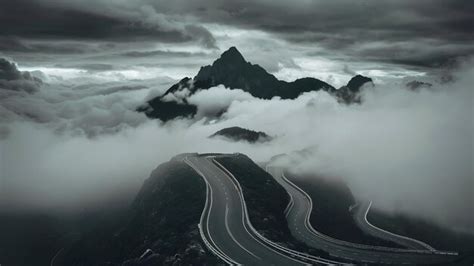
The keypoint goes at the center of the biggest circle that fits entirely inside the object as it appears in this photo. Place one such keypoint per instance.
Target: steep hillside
(437, 236)
(331, 215)
(163, 219)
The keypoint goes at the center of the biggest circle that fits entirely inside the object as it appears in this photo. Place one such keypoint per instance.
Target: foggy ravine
(408, 151)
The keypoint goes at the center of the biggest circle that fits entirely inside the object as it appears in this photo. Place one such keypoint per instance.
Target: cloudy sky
(326, 39)
(73, 72)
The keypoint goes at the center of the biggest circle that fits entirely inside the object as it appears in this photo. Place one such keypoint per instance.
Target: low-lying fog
(70, 144)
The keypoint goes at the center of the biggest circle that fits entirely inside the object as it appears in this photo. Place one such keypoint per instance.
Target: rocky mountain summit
(234, 72)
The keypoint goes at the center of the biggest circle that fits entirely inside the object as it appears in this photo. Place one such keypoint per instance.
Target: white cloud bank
(216, 99)
(407, 151)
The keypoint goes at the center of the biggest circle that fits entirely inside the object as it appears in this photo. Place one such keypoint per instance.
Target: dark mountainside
(332, 199)
(437, 236)
(32, 238)
(242, 134)
(330, 215)
(160, 228)
(233, 71)
(163, 218)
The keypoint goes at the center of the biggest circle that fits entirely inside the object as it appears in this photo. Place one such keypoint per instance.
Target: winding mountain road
(298, 213)
(225, 227)
(360, 216)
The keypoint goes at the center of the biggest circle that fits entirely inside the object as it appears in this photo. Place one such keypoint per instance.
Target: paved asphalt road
(223, 222)
(360, 216)
(298, 221)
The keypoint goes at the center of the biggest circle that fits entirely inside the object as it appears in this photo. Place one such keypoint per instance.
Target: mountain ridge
(234, 72)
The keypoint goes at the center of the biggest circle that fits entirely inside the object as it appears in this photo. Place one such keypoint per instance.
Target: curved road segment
(360, 216)
(225, 227)
(298, 213)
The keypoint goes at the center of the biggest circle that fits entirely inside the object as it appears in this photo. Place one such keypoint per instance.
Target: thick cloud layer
(408, 151)
(91, 21)
(77, 144)
(410, 32)
(83, 107)
(213, 101)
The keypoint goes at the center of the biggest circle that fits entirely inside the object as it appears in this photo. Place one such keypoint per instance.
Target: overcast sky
(330, 40)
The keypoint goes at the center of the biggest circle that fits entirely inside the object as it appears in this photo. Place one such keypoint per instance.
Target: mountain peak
(357, 81)
(227, 69)
(232, 55)
(234, 72)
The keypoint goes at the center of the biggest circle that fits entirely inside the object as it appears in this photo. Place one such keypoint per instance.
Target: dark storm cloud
(423, 33)
(14, 44)
(14, 80)
(116, 89)
(158, 53)
(9, 71)
(30, 19)
(89, 67)
(206, 37)
(358, 20)
(354, 27)
(422, 58)
(349, 71)
(44, 20)
(96, 67)
(437, 29)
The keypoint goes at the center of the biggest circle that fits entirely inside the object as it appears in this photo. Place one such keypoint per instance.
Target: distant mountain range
(417, 85)
(234, 72)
